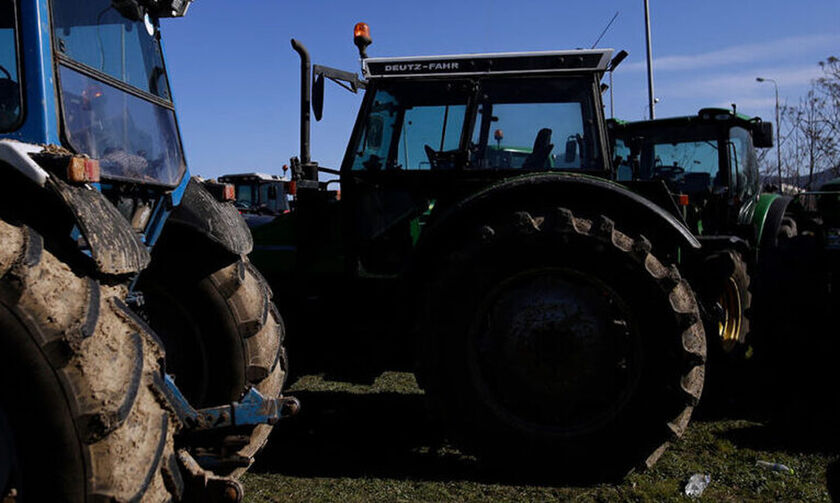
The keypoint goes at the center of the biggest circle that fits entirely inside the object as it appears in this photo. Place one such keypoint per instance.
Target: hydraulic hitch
(253, 409)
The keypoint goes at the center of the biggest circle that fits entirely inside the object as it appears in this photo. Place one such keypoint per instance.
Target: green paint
(760, 213)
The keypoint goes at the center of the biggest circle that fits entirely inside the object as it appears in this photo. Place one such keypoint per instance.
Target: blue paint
(178, 192)
(156, 222)
(163, 209)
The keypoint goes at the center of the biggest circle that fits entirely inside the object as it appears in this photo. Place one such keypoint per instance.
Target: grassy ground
(371, 443)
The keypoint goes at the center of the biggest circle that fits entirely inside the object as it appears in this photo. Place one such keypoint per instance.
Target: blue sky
(236, 79)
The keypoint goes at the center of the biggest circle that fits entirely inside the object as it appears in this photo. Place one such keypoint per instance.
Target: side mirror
(272, 192)
(571, 150)
(318, 96)
(763, 135)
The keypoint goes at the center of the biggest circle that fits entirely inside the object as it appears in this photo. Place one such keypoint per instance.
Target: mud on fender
(220, 222)
(115, 247)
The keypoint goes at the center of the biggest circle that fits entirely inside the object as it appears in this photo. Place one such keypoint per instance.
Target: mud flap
(219, 222)
(114, 246)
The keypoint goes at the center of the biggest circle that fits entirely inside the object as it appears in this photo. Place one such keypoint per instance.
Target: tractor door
(405, 138)
(743, 166)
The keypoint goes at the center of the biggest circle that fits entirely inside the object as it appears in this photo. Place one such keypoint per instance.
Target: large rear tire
(223, 336)
(557, 335)
(78, 391)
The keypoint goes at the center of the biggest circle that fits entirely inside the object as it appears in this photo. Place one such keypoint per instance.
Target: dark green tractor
(539, 302)
(703, 168)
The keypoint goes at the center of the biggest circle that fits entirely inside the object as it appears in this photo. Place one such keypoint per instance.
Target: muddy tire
(223, 336)
(554, 335)
(78, 390)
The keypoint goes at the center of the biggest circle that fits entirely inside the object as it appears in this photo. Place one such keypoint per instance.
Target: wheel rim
(729, 326)
(555, 351)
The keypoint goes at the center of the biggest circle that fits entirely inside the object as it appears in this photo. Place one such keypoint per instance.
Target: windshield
(490, 124)
(692, 159)
(115, 97)
(687, 159)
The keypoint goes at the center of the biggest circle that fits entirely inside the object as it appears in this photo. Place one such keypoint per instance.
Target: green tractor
(703, 168)
(540, 303)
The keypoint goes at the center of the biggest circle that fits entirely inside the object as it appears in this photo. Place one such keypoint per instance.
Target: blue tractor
(120, 275)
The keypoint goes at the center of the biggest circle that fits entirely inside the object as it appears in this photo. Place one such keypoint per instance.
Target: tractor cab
(93, 81)
(498, 115)
(702, 167)
(259, 193)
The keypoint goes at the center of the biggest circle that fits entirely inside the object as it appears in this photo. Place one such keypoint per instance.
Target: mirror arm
(340, 77)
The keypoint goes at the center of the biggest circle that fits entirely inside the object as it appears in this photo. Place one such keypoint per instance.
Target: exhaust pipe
(305, 100)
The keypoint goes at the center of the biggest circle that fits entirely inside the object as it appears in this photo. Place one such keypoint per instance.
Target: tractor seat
(538, 157)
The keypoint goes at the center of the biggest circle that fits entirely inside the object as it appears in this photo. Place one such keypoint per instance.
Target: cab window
(742, 162)
(534, 124)
(10, 91)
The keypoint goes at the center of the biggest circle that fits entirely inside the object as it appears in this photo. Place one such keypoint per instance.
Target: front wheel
(560, 335)
(223, 336)
(81, 415)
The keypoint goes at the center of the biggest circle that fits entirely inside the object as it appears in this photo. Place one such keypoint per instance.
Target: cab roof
(704, 115)
(506, 63)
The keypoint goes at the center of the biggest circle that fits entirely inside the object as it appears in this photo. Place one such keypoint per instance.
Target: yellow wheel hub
(729, 327)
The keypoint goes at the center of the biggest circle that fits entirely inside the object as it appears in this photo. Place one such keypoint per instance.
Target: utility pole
(778, 129)
(649, 59)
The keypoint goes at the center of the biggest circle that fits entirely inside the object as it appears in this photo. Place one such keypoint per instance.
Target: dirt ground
(356, 443)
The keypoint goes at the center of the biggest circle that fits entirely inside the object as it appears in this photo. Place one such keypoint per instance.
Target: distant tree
(829, 87)
(810, 130)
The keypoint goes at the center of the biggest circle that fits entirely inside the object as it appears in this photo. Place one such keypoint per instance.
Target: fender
(79, 217)
(115, 247)
(767, 218)
(631, 212)
(219, 222)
